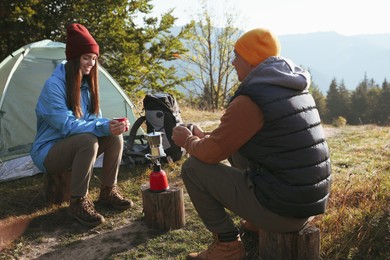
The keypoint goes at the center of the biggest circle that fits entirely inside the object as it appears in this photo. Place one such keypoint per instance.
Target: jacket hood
(281, 72)
(59, 72)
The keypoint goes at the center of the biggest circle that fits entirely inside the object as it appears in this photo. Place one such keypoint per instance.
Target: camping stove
(158, 179)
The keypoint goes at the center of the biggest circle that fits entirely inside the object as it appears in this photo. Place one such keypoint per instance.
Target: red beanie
(79, 41)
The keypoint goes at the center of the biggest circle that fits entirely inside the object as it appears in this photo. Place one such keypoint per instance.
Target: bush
(339, 122)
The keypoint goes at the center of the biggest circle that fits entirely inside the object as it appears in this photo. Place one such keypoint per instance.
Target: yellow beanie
(257, 45)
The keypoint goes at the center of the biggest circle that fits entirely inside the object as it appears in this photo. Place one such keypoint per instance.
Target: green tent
(22, 75)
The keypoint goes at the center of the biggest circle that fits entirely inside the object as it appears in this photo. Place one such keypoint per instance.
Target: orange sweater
(241, 121)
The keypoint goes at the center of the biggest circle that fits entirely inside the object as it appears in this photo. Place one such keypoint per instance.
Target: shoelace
(88, 206)
(115, 193)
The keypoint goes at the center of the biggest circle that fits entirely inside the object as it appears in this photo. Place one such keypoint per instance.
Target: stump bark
(164, 210)
(57, 187)
(301, 245)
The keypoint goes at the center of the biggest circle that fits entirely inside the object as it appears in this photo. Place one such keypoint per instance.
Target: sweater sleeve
(241, 121)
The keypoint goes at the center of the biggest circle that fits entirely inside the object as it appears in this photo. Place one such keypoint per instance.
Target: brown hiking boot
(234, 250)
(84, 211)
(111, 196)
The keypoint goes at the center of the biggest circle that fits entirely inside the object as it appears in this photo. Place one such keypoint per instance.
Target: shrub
(339, 122)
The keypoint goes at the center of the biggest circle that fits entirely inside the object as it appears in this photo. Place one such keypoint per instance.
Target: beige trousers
(78, 153)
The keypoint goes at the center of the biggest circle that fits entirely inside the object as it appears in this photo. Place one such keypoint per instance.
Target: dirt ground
(93, 245)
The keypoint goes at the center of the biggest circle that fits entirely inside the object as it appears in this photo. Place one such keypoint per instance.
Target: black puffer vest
(289, 157)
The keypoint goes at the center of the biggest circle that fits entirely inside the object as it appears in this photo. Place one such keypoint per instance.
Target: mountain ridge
(329, 55)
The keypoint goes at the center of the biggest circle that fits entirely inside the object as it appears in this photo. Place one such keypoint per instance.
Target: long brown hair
(74, 78)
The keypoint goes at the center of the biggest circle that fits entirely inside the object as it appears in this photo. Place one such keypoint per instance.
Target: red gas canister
(158, 179)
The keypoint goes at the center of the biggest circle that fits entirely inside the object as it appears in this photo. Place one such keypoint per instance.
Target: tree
(137, 56)
(20, 24)
(378, 108)
(211, 51)
(338, 101)
(332, 101)
(383, 105)
(319, 98)
(344, 100)
(360, 102)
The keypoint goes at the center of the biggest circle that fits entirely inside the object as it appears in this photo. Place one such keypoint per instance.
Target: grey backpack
(162, 114)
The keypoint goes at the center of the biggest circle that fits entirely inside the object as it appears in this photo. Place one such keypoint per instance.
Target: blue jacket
(289, 157)
(56, 121)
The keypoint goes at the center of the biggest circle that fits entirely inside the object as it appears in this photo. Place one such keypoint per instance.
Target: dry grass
(356, 225)
(191, 115)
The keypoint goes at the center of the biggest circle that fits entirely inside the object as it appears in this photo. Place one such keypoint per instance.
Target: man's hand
(180, 135)
(196, 130)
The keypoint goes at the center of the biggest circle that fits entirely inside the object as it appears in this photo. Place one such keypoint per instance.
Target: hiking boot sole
(87, 223)
(118, 207)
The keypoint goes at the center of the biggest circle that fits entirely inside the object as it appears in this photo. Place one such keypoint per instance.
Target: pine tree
(319, 98)
(344, 101)
(362, 103)
(383, 105)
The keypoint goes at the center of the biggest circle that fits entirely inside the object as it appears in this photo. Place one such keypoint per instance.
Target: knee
(88, 140)
(116, 140)
(190, 165)
(111, 143)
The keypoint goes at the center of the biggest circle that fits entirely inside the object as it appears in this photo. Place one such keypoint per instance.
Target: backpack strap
(133, 132)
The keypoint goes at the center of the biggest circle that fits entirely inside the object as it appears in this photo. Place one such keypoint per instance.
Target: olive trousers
(216, 188)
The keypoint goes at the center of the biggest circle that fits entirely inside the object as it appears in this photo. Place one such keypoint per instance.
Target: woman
(71, 133)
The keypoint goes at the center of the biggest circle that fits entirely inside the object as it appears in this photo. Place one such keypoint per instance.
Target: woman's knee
(87, 140)
(112, 144)
(113, 140)
(117, 139)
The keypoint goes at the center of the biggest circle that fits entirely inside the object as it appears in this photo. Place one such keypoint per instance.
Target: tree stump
(57, 187)
(300, 245)
(164, 210)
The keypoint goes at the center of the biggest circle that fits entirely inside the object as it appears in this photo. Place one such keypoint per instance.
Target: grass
(193, 115)
(355, 226)
(357, 223)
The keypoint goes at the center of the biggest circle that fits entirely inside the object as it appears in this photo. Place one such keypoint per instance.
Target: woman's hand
(117, 128)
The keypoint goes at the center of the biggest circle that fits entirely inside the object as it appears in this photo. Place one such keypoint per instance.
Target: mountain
(330, 55)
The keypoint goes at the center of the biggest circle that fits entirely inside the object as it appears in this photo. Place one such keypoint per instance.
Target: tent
(22, 75)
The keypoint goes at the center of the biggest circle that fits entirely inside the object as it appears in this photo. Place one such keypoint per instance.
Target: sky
(347, 17)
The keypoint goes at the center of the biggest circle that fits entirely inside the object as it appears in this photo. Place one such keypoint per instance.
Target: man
(272, 135)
